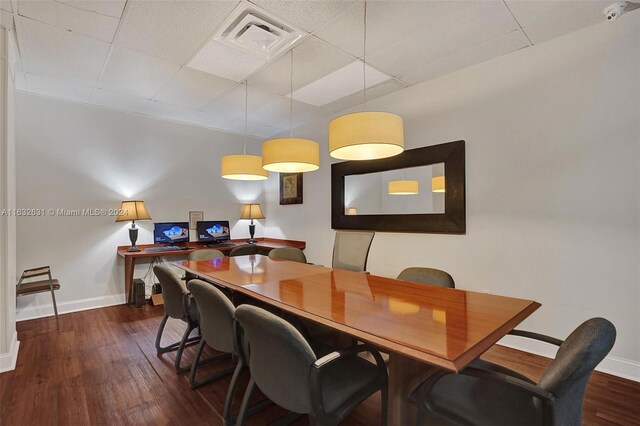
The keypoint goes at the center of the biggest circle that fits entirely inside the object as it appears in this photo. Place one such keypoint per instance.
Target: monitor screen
(171, 232)
(217, 230)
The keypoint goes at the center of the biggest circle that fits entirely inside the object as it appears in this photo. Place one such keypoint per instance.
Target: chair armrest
(344, 353)
(316, 370)
(536, 336)
(510, 381)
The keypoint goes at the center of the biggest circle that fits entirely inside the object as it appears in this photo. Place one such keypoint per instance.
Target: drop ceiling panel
(56, 89)
(387, 23)
(136, 74)
(277, 113)
(232, 103)
(474, 24)
(164, 110)
(193, 89)
(59, 54)
(70, 18)
(357, 98)
(208, 119)
(6, 6)
(544, 20)
(307, 15)
(118, 101)
(313, 59)
(172, 30)
(255, 129)
(499, 46)
(343, 82)
(224, 61)
(111, 8)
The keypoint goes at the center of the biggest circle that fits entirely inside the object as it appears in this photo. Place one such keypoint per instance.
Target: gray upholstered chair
(287, 370)
(429, 276)
(288, 253)
(178, 304)
(219, 331)
(244, 250)
(204, 254)
(351, 250)
(486, 393)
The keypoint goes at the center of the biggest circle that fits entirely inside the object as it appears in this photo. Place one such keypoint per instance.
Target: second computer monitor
(213, 230)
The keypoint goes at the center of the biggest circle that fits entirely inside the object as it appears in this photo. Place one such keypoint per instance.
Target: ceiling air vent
(256, 31)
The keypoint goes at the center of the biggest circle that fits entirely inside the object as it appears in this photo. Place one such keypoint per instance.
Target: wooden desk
(265, 245)
(421, 326)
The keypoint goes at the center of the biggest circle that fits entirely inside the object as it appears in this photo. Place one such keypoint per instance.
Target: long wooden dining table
(423, 328)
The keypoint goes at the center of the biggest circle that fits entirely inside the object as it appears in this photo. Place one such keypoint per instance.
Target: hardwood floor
(100, 367)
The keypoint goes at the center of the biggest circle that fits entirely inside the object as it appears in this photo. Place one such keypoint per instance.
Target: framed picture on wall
(290, 188)
(194, 218)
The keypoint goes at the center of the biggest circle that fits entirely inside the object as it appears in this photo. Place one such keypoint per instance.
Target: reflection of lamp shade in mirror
(402, 307)
(352, 211)
(403, 187)
(437, 184)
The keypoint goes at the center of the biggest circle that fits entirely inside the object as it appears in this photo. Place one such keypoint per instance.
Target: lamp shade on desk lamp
(132, 211)
(251, 211)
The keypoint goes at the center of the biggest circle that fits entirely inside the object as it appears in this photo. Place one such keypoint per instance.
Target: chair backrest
(288, 253)
(279, 358)
(174, 292)
(578, 356)
(428, 276)
(215, 313)
(244, 250)
(206, 254)
(351, 250)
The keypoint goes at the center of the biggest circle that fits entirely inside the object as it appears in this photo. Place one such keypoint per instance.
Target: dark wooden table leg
(129, 267)
(405, 374)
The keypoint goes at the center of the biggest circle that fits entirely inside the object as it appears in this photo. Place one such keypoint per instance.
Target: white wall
(8, 338)
(73, 156)
(552, 166)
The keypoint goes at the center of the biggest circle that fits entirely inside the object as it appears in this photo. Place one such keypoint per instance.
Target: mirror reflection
(414, 190)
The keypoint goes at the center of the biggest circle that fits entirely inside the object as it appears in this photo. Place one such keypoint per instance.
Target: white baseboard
(32, 312)
(8, 360)
(613, 365)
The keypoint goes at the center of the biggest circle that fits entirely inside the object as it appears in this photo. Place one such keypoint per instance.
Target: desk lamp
(251, 211)
(133, 210)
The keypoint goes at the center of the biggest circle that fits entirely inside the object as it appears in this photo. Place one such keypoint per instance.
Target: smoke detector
(256, 31)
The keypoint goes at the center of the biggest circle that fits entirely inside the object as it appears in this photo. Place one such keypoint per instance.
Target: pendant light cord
(246, 114)
(291, 103)
(364, 59)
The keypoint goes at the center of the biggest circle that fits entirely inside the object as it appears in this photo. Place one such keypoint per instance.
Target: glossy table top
(445, 327)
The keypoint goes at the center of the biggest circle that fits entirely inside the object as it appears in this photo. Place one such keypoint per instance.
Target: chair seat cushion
(483, 401)
(37, 286)
(341, 380)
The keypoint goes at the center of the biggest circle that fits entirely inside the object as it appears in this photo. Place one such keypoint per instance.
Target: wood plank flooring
(100, 367)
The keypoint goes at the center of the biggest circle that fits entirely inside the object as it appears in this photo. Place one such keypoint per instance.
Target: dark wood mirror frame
(452, 221)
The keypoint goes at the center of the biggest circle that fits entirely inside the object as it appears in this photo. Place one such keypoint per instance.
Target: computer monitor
(213, 231)
(171, 232)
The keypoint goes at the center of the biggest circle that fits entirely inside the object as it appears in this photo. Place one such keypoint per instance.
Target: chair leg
(242, 416)
(197, 363)
(384, 397)
(231, 394)
(159, 349)
(183, 343)
(55, 307)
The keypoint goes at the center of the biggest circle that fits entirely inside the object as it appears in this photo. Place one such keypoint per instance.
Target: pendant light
(403, 187)
(290, 155)
(366, 135)
(243, 166)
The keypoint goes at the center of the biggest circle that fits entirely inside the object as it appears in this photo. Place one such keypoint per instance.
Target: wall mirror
(420, 190)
